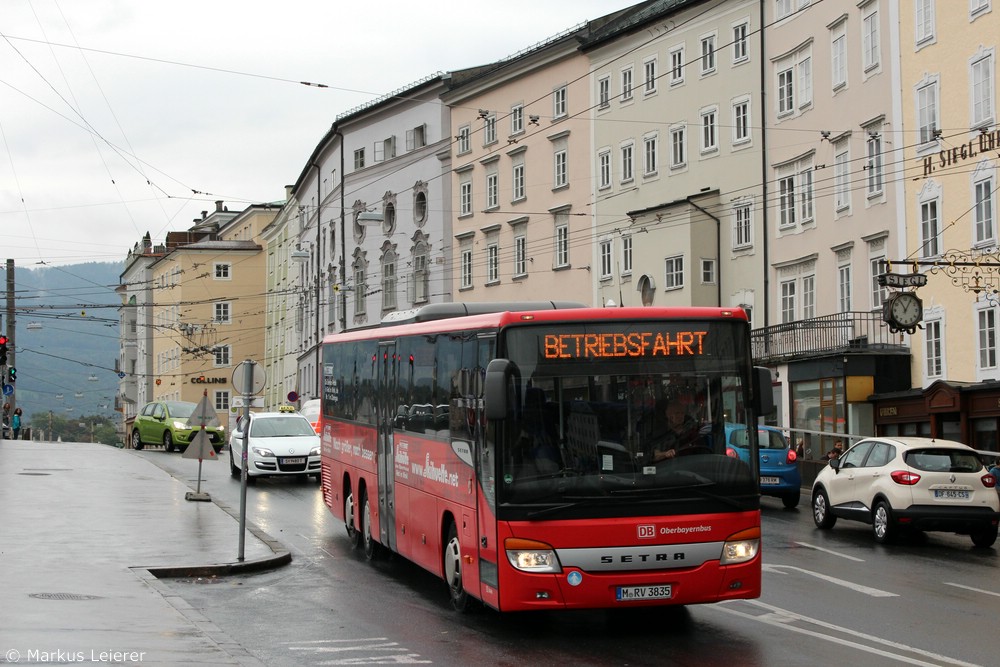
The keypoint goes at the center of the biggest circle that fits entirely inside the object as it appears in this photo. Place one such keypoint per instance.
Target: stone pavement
(85, 530)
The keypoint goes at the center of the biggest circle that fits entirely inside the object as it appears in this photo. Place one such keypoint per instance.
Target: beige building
(208, 306)
(679, 212)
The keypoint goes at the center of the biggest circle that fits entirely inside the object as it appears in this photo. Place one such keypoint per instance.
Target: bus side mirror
(763, 395)
(498, 374)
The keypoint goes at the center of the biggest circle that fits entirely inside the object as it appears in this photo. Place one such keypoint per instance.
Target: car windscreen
(280, 427)
(180, 410)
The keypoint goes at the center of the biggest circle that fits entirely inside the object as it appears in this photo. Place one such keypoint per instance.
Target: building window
(929, 229)
(787, 301)
(626, 84)
(933, 350)
(222, 355)
(707, 55)
(359, 158)
(517, 119)
(605, 254)
(466, 268)
(878, 267)
(518, 181)
(674, 272)
(464, 144)
(708, 271)
(742, 227)
(786, 91)
(222, 401)
(360, 287)
(678, 147)
(794, 82)
(389, 281)
(419, 206)
(649, 150)
(385, 149)
(842, 176)
(924, 20)
(677, 66)
(492, 191)
(416, 138)
(782, 8)
(927, 112)
(626, 255)
(649, 71)
(222, 313)
(421, 276)
(844, 287)
(982, 90)
(741, 121)
(741, 47)
(808, 297)
(987, 321)
(490, 130)
(627, 164)
(562, 245)
(604, 91)
(559, 102)
(520, 255)
(561, 167)
(838, 55)
(709, 131)
(786, 201)
(492, 263)
(806, 193)
(223, 271)
(873, 166)
(985, 228)
(465, 198)
(604, 169)
(870, 41)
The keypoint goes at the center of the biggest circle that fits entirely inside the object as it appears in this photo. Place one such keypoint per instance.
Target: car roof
(912, 442)
(272, 415)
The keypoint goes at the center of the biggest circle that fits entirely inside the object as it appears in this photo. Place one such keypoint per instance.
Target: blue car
(779, 465)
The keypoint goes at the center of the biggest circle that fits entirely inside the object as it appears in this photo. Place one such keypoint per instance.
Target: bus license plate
(769, 481)
(951, 494)
(629, 593)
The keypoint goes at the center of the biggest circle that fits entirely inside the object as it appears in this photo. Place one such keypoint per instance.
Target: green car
(166, 423)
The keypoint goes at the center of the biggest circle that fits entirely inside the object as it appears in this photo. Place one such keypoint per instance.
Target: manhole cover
(63, 596)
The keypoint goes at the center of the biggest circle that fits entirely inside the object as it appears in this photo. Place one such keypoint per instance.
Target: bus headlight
(532, 556)
(741, 547)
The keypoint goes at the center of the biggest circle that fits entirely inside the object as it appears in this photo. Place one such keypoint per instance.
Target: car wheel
(136, 440)
(168, 441)
(985, 538)
(822, 516)
(352, 532)
(453, 570)
(371, 546)
(234, 470)
(791, 500)
(883, 526)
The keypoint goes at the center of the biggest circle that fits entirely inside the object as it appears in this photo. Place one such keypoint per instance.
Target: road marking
(972, 588)
(828, 551)
(867, 590)
(784, 618)
(379, 650)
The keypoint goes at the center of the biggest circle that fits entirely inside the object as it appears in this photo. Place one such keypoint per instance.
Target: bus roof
(502, 318)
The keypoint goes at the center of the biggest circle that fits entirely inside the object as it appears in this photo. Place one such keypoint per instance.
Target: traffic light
(3, 350)
(12, 373)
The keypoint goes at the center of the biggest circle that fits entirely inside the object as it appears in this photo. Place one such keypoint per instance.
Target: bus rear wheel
(352, 531)
(453, 570)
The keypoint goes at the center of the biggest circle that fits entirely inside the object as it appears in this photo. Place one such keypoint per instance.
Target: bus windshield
(625, 418)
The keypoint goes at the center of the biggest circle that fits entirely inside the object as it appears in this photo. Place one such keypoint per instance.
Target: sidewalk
(84, 530)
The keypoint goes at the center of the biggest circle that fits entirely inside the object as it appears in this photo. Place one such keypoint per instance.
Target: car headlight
(180, 426)
(261, 451)
(314, 451)
(532, 556)
(741, 547)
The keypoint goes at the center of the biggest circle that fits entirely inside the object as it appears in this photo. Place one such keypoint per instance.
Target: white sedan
(276, 443)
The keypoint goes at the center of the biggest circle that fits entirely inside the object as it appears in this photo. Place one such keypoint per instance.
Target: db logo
(646, 532)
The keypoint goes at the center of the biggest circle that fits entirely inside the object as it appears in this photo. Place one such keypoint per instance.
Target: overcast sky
(119, 117)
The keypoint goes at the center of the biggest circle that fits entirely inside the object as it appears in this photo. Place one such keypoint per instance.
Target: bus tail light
(741, 547)
(532, 556)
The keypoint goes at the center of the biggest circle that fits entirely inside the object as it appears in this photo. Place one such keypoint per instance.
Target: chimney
(218, 206)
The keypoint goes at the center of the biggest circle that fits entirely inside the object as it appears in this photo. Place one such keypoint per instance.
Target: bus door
(386, 411)
(484, 445)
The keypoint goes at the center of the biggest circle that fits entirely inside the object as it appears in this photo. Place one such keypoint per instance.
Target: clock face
(906, 309)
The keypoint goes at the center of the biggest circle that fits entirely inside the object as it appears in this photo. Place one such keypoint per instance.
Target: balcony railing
(820, 336)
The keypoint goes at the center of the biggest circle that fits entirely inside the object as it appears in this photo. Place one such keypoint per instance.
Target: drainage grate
(63, 596)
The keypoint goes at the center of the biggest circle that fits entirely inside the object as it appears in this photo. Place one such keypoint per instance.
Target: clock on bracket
(903, 311)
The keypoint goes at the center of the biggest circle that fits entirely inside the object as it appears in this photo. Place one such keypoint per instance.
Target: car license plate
(769, 481)
(629, 593)
(288, 461)
(951, 494)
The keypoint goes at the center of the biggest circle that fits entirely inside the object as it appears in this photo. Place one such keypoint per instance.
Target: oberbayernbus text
(524, 455)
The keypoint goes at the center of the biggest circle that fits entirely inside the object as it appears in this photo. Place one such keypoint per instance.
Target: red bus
(514, 454)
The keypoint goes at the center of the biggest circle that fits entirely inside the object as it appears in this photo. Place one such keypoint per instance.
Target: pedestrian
(995, 470)
(800, 448)
(838, 449)
(16, 422)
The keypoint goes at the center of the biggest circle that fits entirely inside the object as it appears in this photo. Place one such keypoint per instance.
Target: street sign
(8, 389)
(200, 447)
(240, 402)
(204, 414)
(902, 280)
(258, 378)
(293, 396)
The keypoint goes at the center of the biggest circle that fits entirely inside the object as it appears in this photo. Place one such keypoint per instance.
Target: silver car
(276, 443)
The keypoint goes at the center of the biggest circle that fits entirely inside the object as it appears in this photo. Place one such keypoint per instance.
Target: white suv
(898, 484)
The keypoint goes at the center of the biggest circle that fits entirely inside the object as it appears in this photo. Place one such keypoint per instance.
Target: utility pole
(10, 335)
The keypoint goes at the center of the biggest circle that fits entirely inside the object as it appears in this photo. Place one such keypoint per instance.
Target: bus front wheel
(371, 546)
(453, 570)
